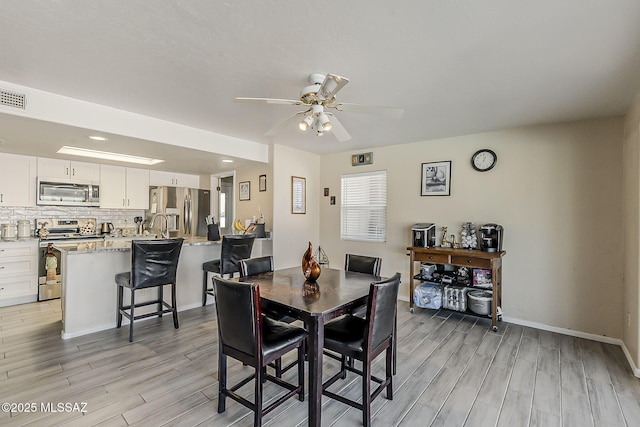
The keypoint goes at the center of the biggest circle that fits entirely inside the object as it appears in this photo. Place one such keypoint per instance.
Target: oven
(60, 230)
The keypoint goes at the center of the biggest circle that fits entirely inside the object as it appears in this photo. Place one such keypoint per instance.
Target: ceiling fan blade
(331, 85)
(278, 126)
(270, 101)
(395, 113)
(338, 130)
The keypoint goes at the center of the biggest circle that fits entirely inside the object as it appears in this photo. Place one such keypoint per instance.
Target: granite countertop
(117, 245)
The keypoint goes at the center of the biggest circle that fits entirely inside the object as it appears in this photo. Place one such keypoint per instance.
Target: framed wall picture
(262, 183)
(298, 195)
(245, 190)
(436, 179)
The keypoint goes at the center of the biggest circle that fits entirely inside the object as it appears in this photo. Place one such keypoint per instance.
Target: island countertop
(119, 245)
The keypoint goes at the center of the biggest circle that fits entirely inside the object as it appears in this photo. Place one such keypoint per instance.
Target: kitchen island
(89, 291)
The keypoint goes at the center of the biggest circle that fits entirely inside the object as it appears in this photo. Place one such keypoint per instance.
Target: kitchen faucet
(164, 234)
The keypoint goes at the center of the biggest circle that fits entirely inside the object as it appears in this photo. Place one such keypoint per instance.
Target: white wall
(293, 232)
(631, 168)
(556, 190)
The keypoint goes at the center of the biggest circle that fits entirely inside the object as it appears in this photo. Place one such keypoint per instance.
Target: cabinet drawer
(471, 261)
(433, 258)
(12, 267)
(18, 286)
(18, 249)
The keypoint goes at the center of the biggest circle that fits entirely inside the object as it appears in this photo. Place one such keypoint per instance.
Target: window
(364, 207)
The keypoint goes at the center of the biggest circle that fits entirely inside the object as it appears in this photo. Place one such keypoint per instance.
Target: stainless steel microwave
(67, 193)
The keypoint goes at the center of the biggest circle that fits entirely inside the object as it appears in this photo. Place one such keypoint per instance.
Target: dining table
(334, 293)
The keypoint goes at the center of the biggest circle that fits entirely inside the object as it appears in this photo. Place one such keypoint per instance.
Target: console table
(461, 258)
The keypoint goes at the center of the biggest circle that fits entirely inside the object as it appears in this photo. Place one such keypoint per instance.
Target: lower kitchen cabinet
(18, 272)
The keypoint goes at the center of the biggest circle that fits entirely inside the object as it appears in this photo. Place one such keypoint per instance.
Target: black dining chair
(255, 340)
(234, 248)
(362, 264)
(154, 263)
(260, 265)
(365, 339)
(367, 265)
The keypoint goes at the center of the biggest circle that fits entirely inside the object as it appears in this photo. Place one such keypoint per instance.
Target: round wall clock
(484, 160)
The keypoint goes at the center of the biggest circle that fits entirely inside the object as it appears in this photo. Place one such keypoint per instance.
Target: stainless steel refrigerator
(186, 210)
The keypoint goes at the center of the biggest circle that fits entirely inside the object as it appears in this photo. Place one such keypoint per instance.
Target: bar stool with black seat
(154, 263)
(234, 248)
(255, 340)
(365, 339)
(260, 265)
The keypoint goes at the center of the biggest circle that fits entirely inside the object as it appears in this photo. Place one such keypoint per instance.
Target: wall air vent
(12, 99)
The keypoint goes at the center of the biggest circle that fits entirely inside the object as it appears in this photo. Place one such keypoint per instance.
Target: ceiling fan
(319, 99)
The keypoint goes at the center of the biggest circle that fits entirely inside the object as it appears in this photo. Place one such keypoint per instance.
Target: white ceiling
(455, 67)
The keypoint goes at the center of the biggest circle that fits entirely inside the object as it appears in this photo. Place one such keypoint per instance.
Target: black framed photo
(436, 179)
(262, 183)
(245, 190)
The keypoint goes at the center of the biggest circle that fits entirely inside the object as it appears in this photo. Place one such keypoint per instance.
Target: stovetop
(67, 228)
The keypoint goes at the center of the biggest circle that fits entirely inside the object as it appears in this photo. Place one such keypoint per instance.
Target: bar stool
(234, 248)
(154, 263)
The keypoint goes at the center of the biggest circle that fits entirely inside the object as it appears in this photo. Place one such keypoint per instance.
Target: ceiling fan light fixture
(306, 122)
(323, 121)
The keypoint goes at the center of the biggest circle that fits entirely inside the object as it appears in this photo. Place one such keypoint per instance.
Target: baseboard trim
(579, 334)
(570, 332)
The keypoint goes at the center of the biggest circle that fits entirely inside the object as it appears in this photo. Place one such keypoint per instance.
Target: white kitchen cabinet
(172, 179)
(17, 180)
(124, 188)
(65, 169)
(18, 271)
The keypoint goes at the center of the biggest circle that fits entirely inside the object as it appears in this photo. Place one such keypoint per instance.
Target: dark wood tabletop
(334, 293)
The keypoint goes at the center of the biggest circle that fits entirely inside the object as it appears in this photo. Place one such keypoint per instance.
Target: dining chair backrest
(235, 248)
(238, 310)
(154, 262)
(253, 266)
(381, 310)
(362, 264)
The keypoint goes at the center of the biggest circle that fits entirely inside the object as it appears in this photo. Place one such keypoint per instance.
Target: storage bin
(479, 301)
(428, 295)
(455, 298)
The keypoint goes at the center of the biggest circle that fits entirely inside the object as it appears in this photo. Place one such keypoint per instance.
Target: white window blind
(364, 207)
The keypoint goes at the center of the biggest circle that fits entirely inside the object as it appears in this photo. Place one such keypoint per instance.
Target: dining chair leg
(390, 358)
(133, 303)
(301, 353)
(395, 342)
(344, 362)
(160, 298)
(120, 298)
(204, 288)
(222, 380)
(366, 392)
(260, 373)
(174, 305)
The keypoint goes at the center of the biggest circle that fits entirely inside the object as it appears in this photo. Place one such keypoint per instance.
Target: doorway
(224, 202)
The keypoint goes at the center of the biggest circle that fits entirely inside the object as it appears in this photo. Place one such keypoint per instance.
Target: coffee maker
(491, 238)
(424, 235)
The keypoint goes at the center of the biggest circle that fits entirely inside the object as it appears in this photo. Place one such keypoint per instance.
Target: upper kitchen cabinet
(171, 179)
(65, 169)
(17, 180)
(124, 188)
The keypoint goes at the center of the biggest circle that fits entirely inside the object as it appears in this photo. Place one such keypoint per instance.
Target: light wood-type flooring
(452, 370)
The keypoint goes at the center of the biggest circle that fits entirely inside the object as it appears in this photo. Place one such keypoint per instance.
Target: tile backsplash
(119, 217)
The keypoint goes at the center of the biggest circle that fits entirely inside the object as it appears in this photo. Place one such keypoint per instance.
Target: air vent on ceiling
(12, 99)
